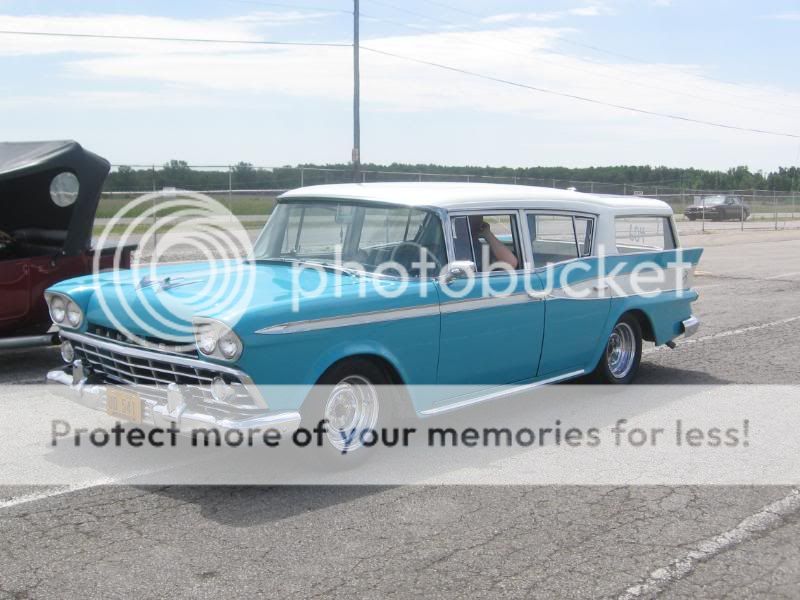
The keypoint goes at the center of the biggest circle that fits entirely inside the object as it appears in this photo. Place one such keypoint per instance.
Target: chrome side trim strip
(363, 318)
(490, 302)
(499, 394)
(380, 316)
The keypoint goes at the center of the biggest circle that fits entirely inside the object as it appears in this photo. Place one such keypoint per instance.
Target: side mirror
(458, 269)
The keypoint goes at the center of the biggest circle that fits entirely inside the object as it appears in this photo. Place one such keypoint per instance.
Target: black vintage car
(49, 192)
(718, 208)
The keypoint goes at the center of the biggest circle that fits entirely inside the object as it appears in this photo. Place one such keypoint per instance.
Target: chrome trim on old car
(690, 326)
(172, 388)
(176, 411)
(363, 318)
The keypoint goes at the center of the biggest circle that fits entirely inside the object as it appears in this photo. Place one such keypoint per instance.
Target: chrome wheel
(621, 350)
(351, 408)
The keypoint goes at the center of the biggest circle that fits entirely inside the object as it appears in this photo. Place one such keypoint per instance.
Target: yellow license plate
(124, 404)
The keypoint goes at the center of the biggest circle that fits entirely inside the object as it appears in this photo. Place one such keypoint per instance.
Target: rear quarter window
(640, 234)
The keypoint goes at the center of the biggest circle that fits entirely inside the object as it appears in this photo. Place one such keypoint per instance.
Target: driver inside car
(498, 254)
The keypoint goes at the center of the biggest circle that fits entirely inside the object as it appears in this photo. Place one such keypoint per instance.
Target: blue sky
(148, 102)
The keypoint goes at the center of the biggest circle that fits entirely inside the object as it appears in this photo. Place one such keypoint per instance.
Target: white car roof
(464, 196)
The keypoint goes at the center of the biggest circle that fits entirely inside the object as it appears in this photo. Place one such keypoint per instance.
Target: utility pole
(356, 99)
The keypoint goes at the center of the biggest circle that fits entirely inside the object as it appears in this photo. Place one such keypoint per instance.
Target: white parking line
(724, 334)
(51, 493)
(783, 275)
(768, 517)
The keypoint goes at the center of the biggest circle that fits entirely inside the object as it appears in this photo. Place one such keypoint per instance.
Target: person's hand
(484, 229)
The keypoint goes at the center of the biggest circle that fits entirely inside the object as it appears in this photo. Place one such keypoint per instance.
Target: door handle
(538, 296)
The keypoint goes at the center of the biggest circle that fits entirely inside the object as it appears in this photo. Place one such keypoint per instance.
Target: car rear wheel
(623, 353)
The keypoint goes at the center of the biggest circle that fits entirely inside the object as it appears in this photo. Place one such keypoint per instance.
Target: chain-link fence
(250, 192)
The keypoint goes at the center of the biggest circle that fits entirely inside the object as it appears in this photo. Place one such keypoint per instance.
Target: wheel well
(391, 372)
(406, 406)
(644, 323)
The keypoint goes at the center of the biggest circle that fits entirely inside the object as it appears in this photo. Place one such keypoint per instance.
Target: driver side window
(488, 240)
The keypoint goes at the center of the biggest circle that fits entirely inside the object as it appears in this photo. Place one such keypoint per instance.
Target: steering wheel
(409, 250)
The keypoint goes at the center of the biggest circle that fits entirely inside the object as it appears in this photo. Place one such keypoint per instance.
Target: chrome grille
(151, 376)
(186, 348)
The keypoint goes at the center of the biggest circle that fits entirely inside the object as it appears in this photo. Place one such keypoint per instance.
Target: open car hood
(28, 212)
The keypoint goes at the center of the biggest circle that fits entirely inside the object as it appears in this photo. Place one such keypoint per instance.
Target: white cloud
(516, 16)
(591, 9)
(176, 75)
(270, 18)
(587, 11)
(661, 3)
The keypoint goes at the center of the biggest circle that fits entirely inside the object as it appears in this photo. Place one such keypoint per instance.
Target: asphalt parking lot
(450, 541)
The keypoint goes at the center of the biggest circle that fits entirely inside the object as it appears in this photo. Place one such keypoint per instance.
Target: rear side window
(640, 234)
(552, 239)
(557, 238)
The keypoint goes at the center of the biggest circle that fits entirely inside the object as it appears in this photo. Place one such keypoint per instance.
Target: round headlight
(229, 345)
(58, 309)
(74, 314)
(207, 341)
(67, 352)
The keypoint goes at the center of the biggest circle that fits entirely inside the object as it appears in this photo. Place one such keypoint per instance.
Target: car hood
(162, 302)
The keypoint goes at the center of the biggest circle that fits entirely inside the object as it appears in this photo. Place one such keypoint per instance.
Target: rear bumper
(690, 326)
(176, 411)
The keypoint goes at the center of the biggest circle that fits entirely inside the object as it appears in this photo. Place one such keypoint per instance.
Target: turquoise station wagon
(474, 291)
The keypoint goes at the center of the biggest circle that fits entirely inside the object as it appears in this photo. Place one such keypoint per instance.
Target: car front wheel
(352, 400)
(623, 353)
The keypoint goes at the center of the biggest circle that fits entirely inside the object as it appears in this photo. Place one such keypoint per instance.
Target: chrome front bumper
(78, 388)
(690, 326)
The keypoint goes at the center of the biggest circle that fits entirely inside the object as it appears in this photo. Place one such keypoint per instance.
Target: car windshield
(388, 240)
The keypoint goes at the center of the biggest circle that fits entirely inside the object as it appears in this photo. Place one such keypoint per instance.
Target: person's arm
(501, 253)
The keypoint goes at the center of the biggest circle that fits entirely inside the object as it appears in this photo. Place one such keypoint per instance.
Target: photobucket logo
(644, 274)
(159, 296)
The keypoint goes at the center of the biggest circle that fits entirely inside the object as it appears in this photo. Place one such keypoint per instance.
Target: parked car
(372, 325)
(49, 193)
(718, 208)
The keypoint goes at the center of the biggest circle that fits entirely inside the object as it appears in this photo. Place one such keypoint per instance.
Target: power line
(590, 71)
(577, 97)
(589, 47)
(98, 36)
